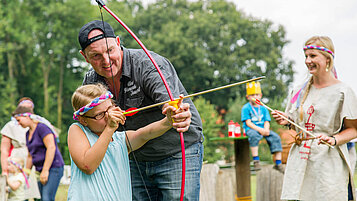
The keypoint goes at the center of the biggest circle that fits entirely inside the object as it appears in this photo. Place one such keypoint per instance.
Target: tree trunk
(10, 65)
(46, 72)
(59, 96)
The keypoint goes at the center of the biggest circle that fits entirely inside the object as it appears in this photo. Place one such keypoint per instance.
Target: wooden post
(209, 174)
(269, 184)
(226, 185)
(241, 148)
(2, 187)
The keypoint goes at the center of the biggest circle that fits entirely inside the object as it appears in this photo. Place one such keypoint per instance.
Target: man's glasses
(100, 115)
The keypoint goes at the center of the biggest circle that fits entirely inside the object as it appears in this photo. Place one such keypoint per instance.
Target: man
(135, 82)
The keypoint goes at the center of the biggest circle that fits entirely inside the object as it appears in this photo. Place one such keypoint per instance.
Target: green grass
(62, 192)
(253, 186)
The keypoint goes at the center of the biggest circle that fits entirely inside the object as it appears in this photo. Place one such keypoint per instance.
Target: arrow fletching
(131, 111)
(257, 101)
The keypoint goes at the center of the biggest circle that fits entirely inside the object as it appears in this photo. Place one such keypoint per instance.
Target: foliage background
(210, 42)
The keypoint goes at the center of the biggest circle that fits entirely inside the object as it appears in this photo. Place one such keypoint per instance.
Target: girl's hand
(278, 117)
(115, 117)
(44, 176)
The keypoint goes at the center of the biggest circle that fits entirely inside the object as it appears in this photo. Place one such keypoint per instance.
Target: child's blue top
(111, 180)
(258, 115)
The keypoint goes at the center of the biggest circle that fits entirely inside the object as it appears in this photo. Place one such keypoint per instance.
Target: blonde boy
(256, 122)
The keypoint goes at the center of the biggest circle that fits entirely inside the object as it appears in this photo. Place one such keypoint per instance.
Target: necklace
(255, 112)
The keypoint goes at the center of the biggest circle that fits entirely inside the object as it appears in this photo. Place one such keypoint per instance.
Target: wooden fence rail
(220, 184)
(2, 188)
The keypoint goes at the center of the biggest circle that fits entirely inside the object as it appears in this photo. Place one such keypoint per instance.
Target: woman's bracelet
(288, 124)
(335, 140)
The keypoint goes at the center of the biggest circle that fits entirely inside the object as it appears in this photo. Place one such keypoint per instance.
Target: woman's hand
(277, 116)
(44, 176)
(330, 140)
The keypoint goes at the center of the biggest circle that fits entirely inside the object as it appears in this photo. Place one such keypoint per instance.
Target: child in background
(99, 154)
(16, 179)
(256, 122)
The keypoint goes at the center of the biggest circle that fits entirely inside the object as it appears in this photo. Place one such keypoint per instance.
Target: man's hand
(181, 116)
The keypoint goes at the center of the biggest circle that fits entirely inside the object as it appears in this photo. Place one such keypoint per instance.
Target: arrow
(132, 111)
(287, 119)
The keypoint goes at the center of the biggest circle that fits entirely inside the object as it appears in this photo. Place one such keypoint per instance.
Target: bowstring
(136, 162)
(116, 96)
(110, 61)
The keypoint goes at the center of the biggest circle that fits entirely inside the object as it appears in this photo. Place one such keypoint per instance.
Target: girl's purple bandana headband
(92, 104)
(22, 171)
(319, 48)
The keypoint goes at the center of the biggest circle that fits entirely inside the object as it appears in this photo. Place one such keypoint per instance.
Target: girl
(43, 152)
(99, 154)
(16, 179)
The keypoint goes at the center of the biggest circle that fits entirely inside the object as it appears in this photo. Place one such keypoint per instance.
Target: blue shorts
(273, 140)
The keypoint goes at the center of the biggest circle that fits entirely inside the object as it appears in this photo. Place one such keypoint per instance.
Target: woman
(326, 107)
(13, 143)
(43, 152)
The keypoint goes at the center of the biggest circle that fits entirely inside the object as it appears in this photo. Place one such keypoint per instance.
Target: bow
(102, 5)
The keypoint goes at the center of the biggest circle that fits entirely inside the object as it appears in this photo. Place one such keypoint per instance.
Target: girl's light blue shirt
(110, 181)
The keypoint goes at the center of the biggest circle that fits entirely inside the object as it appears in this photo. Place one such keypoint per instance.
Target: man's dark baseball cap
(96, 24)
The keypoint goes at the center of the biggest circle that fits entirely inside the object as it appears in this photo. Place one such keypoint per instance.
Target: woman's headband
(39, 119)
(319, 48)
(26, 114)
(27, 101)
(92, 104)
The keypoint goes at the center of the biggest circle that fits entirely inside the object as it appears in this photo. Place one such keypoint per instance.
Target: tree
(211, 44)
(211, 127)
(41, 52)
(7, 107)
